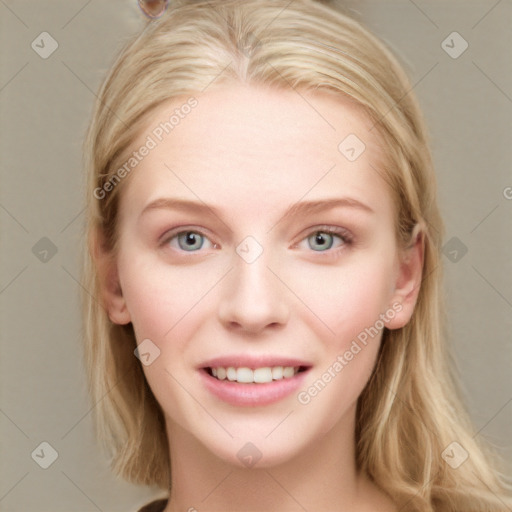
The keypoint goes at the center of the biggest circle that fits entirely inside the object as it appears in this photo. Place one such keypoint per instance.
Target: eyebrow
(297, 209)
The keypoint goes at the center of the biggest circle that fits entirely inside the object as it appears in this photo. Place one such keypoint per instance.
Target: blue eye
(322, 240)
(189, 241)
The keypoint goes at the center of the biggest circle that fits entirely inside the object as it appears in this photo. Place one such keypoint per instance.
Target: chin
(251, 450)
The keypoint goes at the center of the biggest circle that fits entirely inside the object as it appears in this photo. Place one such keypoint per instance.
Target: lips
(244, 380)
(253, 361)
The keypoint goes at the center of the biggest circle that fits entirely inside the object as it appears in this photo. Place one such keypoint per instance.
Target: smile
(262, 375)
(243, 383)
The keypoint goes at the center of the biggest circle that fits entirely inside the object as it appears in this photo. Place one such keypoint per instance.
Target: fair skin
(250, 153)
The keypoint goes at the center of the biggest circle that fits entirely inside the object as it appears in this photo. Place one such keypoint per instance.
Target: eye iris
(190, 241)
(320, 241)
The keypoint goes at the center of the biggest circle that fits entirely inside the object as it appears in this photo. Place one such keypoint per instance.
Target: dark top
(154, 506)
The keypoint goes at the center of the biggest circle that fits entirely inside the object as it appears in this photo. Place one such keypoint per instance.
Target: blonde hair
(410, 411)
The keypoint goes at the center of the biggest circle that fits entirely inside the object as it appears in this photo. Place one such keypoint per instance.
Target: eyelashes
(320, 240)
(323, 239)
(189, 241)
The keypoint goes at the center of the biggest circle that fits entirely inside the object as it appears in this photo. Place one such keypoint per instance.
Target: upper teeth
(259, 375)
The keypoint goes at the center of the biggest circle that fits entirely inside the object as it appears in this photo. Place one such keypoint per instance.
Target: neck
(202, 481)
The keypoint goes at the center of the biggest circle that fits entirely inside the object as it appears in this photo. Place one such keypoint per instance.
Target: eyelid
(172, 233)
(343, 233)
(330, 255)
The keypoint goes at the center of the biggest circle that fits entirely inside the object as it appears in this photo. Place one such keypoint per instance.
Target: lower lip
(239, 394)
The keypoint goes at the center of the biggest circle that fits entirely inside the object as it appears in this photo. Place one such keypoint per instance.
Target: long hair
(410, 421)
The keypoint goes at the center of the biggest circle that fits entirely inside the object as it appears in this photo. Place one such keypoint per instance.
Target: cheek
(160, 297)
(347, 298)
(349, 355)
(167, 306)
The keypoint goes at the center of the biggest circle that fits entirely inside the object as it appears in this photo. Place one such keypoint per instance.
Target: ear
(408, 279)
(110, 288)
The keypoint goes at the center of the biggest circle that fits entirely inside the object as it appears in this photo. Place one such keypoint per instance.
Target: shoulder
(154, 506)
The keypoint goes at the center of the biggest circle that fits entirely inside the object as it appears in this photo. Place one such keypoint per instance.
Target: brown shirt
(154, 506)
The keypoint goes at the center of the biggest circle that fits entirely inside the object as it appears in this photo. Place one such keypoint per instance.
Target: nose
(253, 299)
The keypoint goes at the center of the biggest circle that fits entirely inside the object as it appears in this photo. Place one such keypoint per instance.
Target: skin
(250, 153)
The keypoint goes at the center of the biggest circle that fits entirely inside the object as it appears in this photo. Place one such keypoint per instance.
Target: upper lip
(252, 361)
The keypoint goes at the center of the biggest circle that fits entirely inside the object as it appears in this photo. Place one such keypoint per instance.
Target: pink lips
(244, 394)
(248, 361)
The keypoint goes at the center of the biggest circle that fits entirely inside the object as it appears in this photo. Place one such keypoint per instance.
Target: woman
(264, 328)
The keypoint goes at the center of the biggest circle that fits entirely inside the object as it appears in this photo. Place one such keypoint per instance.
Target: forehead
(252, 147)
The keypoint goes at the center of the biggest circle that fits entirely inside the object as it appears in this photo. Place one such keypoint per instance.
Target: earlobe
(110, 289)
(408, 279)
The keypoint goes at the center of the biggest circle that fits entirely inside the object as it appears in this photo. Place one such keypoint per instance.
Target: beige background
(44, 108)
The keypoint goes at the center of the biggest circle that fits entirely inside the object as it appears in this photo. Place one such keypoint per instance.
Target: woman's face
(257, 244)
